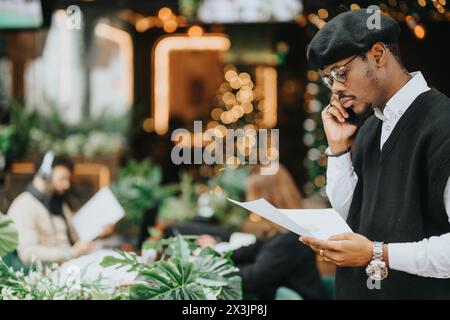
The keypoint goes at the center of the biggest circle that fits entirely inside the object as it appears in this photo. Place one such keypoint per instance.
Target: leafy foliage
(229, 184)
(8, 235)
(98, 136)
(185, 273)
(21, 123)
(30, 131)
(138, 188)
(182, 207)
(126, 259)
(43, 283)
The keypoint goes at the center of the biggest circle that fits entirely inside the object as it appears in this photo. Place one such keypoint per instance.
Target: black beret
(348, 34)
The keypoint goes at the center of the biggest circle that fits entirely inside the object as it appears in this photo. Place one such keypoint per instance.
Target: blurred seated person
(276, 260)
(42, 215)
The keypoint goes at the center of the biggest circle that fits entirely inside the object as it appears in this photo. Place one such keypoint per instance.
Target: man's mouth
(347, 102)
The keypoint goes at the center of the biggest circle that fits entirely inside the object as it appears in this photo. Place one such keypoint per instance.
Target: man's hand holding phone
(337, 129)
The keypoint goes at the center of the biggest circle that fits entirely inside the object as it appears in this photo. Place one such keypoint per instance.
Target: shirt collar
(403, 98)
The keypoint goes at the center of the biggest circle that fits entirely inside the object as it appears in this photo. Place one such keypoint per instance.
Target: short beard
(369, 107)
(367, 112)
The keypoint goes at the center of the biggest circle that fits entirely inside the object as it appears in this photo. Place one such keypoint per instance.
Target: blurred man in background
(43, 216)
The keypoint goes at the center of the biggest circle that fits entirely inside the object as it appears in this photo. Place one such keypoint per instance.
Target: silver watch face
(377, 270)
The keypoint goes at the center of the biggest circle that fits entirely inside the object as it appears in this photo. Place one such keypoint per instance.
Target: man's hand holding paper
(317, 223)
(323, 230)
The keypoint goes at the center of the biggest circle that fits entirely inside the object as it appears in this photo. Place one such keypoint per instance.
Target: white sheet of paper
(318, 223)
(102, 209)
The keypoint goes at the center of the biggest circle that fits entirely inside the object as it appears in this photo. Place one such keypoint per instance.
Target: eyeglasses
(337, 73)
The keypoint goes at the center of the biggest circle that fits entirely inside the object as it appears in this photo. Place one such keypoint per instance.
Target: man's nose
(338, 87)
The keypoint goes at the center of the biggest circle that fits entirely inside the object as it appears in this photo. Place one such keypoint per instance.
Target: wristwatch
(329, 154)
(377, 269)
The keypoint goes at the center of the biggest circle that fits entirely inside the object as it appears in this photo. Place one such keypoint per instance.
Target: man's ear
(379, 54)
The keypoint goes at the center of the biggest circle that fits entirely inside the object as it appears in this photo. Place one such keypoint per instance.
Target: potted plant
(138, 188)
(183, 271)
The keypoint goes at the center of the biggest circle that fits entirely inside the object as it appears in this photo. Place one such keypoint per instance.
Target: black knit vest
(399, 195)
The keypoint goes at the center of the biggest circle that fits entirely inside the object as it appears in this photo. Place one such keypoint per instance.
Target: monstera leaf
(186, 274)
(216, 271)
(173, 279)
(8, 235)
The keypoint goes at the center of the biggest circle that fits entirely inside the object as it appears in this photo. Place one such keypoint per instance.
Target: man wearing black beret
(394, 187)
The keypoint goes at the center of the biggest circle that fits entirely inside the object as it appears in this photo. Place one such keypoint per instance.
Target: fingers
(316, 250)
(330, 112)
(343, 236)
(336, 113)
(338, 109)
(327, 255)
(322, 244)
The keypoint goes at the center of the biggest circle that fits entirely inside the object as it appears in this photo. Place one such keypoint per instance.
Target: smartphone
(353, 118)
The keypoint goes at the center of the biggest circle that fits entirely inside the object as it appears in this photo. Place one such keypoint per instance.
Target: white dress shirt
(428, 257)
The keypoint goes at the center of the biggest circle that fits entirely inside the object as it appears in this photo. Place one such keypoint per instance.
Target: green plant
(8, 235)
(21, 123)
(183, 207)
(184, 272)
(40, 282)
(6, 133)
(44, 283)
(189, 8)
(103, 135)
(30, 131)
(139, 187)
(230, 183)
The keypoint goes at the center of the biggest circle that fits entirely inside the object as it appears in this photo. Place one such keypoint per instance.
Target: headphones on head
(46, 168)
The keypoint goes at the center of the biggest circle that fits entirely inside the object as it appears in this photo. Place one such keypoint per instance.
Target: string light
(323, 13)
(195, 31)
(170, 26)
(147, 125)
(419, 31)
(164, 13)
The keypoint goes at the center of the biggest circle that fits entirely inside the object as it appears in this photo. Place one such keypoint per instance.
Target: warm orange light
(323, 13)
(230, 75)
(320, 24)
(161, 67)
(144, 24)
(247, 106)
(100, 170)
(22, 168)
(266, 79)
(195, 31)
(147, 125)
(104, 175)
(419, 31)
(313, 18)
(170, 26)
(164, 13)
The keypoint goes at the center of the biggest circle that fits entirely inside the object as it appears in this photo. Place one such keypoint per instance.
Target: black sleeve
(273, 263)
(246, 254)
